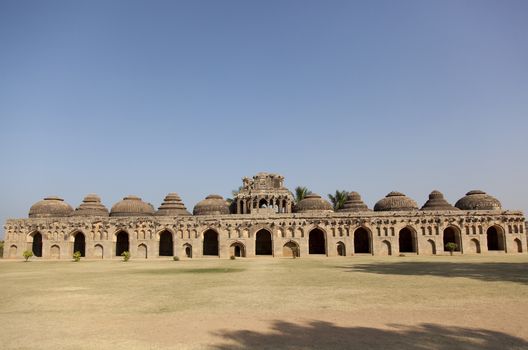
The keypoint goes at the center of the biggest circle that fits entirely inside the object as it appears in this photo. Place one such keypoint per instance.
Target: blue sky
(151, 97)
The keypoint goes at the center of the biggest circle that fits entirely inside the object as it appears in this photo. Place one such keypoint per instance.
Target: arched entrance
(290, 250)
(406, 241)
(13, 251)
(98, 251)
(316, 242)
(495, 239)
(431, 247)
(142, 251)
(36, 246)
(79, 243)
(263, 245)
(451, 235)
(122, 244)
(187, 248)
(474, 246)
(518, 245)
(55, 252)
(386, 248)
(341, 249)
(238, 250)
(210, 243)
(166, 247)
(361, 241)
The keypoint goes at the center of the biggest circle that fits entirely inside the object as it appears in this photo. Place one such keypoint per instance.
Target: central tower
(264, 193)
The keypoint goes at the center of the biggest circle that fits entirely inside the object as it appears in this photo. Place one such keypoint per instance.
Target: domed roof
(172, 206)
(91, 206)
(50, 207)
(437, 201)
(132, 206)
(478, 200)
(212, 205)
(395, 201)
(354, 203)
(312, 202)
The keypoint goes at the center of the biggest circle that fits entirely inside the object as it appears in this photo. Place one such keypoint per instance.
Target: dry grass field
(459, 302)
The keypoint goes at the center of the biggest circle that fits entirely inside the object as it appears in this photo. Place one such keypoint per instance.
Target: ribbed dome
(172, 206)
(395, 201)
(91, 206)
(437, 201)
(212, 205)
(478, 200)
(354, 203)
(132, 206)
(50, 207)
(313, 202)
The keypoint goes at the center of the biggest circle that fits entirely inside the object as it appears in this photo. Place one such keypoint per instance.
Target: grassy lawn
(459, 302)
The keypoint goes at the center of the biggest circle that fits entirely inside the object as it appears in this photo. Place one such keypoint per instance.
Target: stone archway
(431, 245)
(290, 249)
(386, 248)
(341, 249)
(187, 249)
(495, 239)
(98, 251)
(238, 250)
(79, 243)
(142, 251)
(451, 235)
(263, 243)
(407, 241)
(361, 241)
(474, 246)
(13, 251)
(518, 245)
(55, 252)
(316, 242)
(210, 243)
(122, 243)
(36, 245)
(166, 246)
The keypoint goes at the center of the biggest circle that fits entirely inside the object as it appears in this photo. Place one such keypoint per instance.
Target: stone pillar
(238, 211)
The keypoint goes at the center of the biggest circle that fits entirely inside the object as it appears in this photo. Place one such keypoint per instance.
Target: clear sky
(151, 97)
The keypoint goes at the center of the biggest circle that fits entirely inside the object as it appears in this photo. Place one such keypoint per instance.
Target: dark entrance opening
(406, 241)
(210, 243)
(263, 243)
(361, 241)
(341, 251)
(79, 244)
(237, 251)
(316, 242)
(451, 236)
(188, 251)
(495, 241)
(166, 247)
(36, 247)
(122, 243)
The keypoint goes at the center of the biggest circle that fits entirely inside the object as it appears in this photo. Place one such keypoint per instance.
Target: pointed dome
(437, 201)
(91, 206)
(132, 206)
(354, 203)
(395, 201)
(213, 204)
(50, 207)
(312, 202)
(172, 206)
(478, 200)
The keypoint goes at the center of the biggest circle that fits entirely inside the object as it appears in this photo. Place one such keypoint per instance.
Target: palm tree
(300, 193)
(339, 199)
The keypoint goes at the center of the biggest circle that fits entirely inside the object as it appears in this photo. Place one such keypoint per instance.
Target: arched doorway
(386, 248)
(474, 246)
(495, 239)
(518, 245)
(238, 250)
(406, 240)
(210, 243)
(187, 248)
(98, 251)
(290, 250)
(361, 241)
(316, 242)
(431, 247)
(36, 246)
(55, 252)
(263, 245)
(79, 243)
(122, 244)
(451, 235)
(142, 251)
(341, 249)
(166, 247)
(13, 251)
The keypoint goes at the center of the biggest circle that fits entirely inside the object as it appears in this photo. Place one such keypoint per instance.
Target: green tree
(451, 247)
(125, 255)
(339, 199)
(77, 256)
(27, 254)
(301, 192)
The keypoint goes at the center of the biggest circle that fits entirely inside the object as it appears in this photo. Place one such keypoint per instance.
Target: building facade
(264, 220)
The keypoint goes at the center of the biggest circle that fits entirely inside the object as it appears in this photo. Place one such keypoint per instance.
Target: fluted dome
(132, 206)
(172, 206)
(50, 207)
(437, 201)
(354, 203)
(313, 202)
(395, 201)
(212, 205)
(478, 200)
(91, 206)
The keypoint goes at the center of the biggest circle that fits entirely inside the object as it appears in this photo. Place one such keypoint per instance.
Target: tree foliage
(301, 192)
(126, 255)
(27, 254)
(451, 247)
(77, 256)
(338, 199)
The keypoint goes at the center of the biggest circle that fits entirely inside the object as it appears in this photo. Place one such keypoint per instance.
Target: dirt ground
(440, 302)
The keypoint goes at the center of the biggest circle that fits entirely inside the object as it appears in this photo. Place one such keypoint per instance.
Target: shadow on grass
(173, 271)
(492, 272)
(326, 335)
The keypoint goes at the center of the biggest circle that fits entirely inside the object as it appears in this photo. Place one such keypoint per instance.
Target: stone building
(264, 220)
